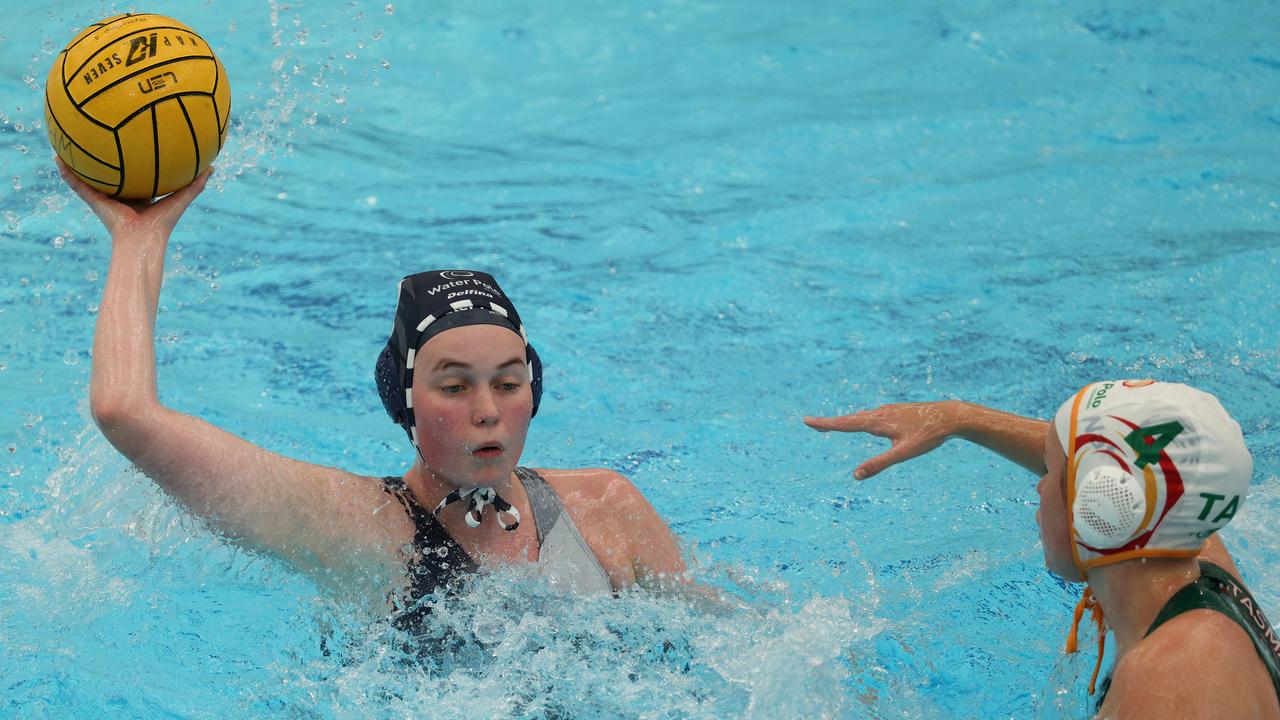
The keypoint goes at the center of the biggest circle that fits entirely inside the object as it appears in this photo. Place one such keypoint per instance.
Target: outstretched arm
(916, 428)
(319, 518)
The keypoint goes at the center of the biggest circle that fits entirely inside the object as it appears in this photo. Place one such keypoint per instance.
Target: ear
(387, 375)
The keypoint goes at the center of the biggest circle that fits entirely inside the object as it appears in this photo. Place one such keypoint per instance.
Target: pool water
(716, 218)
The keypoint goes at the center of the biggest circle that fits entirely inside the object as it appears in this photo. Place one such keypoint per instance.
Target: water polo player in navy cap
(458, 374)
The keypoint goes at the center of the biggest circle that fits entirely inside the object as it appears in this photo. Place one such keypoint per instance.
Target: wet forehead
(478, 345)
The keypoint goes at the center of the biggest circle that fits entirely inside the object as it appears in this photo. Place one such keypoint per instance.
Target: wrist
(965, 419)
(145, 239)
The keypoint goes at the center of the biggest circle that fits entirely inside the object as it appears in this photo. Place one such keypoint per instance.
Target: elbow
(118, 415)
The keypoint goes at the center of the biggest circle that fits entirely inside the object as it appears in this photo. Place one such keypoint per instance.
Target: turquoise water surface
(715, 218)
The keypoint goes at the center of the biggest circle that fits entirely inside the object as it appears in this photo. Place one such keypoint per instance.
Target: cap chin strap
(477, 498)
(1090, 603)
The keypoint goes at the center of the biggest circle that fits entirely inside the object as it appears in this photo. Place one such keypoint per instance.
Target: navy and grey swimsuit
(564, 557)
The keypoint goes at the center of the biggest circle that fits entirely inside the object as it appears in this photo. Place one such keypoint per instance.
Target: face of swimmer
(1055, 535)
(472, 403)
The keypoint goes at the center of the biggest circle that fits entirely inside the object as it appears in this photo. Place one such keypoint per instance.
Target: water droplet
(488, 630)
(371, 200)
(17, 182)
(71, 357)
(58, 242)
(390, 9)
(385, 65)
(377, 35)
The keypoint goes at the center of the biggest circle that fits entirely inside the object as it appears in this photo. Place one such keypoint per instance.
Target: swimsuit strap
(437, 558)
(566, 558)
(1218, 590)
(546, 504)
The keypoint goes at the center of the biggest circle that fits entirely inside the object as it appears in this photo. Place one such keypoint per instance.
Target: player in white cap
(1137, 476)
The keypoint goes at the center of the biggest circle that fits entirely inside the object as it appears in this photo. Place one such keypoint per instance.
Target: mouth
(487, 451)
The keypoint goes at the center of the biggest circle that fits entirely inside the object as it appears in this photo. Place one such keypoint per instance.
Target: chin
(489, 474)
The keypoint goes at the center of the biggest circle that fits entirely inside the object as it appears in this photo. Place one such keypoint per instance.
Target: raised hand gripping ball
(137, 105)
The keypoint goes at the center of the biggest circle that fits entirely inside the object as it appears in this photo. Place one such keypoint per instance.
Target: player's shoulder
(589, 483)
(1168, 668)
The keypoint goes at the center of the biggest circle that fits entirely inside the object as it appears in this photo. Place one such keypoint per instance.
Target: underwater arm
(658, 562)
(917, 428)
(309, 514)
(659, 565)
(656, 558)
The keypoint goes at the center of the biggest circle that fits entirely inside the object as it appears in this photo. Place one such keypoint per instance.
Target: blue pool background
(716, 218)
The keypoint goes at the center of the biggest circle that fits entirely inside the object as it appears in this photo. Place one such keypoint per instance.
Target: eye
(453, 389)
(509, 387)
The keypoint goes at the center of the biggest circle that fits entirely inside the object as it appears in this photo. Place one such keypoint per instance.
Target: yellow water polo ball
(137, 105)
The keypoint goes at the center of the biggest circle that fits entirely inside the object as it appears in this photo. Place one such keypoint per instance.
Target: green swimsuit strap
(1217, 589)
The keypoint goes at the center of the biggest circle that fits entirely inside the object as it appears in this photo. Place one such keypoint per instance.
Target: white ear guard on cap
(1109, 508)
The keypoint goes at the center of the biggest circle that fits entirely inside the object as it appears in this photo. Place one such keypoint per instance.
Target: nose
(484, 408)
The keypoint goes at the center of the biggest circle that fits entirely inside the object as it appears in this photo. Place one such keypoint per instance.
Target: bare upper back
(1200, 664)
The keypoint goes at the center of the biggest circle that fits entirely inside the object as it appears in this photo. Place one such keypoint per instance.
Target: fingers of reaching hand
(80, 187)
(894, 455)
(183, 197)
(856, 422)
(909, 434)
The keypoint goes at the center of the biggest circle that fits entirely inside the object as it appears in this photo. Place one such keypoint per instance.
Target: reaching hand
(130, 217)
(913, 428)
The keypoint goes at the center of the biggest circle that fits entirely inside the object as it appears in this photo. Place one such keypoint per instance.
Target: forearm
(1019, 439)
(123, 381)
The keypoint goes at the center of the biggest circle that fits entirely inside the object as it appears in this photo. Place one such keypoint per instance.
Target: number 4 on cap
(1149, 441)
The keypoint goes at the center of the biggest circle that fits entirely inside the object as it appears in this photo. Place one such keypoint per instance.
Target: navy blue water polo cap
(430, 303)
